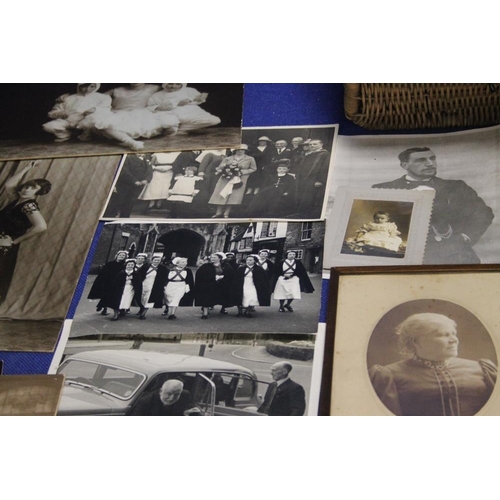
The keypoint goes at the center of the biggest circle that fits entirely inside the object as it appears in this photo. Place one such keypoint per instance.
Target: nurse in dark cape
(213, 284)
(126, 287)
(289, 280)
(251, 287)
(105, 278)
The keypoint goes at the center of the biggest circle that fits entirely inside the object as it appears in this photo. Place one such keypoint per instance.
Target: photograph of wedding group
(274, 174)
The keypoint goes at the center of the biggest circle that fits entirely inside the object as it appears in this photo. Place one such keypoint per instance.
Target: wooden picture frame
(362, 374)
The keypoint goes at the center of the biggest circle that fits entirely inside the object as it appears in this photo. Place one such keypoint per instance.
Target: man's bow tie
(430, 182)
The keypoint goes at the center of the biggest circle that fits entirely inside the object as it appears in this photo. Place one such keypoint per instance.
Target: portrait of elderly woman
(431, 379)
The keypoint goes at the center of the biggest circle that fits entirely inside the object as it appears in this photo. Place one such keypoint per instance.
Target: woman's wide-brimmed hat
(264, 138)
(240, 147)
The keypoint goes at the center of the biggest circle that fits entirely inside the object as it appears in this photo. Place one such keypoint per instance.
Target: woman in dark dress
(20, 220)
(105, 278)
(213, 283)
(277, 196)
(251, 287)
(263, 153)
(432, 380)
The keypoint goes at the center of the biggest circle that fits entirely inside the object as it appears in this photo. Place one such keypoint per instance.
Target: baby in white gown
(379, 233)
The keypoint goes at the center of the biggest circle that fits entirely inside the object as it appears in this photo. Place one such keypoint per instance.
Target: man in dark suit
(311, 174)
(459, 216)
(170, 401)
(284, 397)
(135, 174)
(282, 151)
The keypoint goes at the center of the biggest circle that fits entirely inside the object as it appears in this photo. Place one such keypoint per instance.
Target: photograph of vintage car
(132, 379)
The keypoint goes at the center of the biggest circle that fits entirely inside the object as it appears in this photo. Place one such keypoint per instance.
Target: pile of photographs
(171, 260)
(174, 263)
(413, 238)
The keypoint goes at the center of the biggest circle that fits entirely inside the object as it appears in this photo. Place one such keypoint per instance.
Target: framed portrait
(412, 341)
(378, 227)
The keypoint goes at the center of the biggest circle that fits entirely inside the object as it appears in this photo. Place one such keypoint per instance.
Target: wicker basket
(397, 106)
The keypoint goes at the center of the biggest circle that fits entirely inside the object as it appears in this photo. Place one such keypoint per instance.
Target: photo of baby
(378, 228)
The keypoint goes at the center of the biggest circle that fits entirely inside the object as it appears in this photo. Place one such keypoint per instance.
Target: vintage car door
(203, 396)
(237, 394)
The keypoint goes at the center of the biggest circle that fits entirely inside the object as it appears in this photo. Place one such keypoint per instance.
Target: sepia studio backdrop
(49, 264)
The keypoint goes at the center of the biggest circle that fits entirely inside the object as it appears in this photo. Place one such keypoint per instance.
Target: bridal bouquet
(231, 172)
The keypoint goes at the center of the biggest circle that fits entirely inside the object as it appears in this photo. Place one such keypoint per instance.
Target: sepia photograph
(432, 357)
(373, 227)
(186, 278)
(380, 235)
(460, 168)
(199, 374)
(49, 211)
(424, 344)
(43, 120)
(30, 395)
(262, 178)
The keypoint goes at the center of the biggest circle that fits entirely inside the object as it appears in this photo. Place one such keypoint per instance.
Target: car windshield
(107, 379)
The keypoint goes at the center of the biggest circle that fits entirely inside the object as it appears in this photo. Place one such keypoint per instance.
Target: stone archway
(184, 243)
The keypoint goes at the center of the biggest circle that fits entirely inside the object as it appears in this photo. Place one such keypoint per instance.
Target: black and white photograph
(186, 278)
(414, 341)
(432, 357)
(43, 120)
(217, 374)
(49, 211)
(373, 227)
(262, 178)
(460, 168)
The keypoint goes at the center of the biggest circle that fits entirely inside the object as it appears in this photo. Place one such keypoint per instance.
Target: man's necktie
(269, 400)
